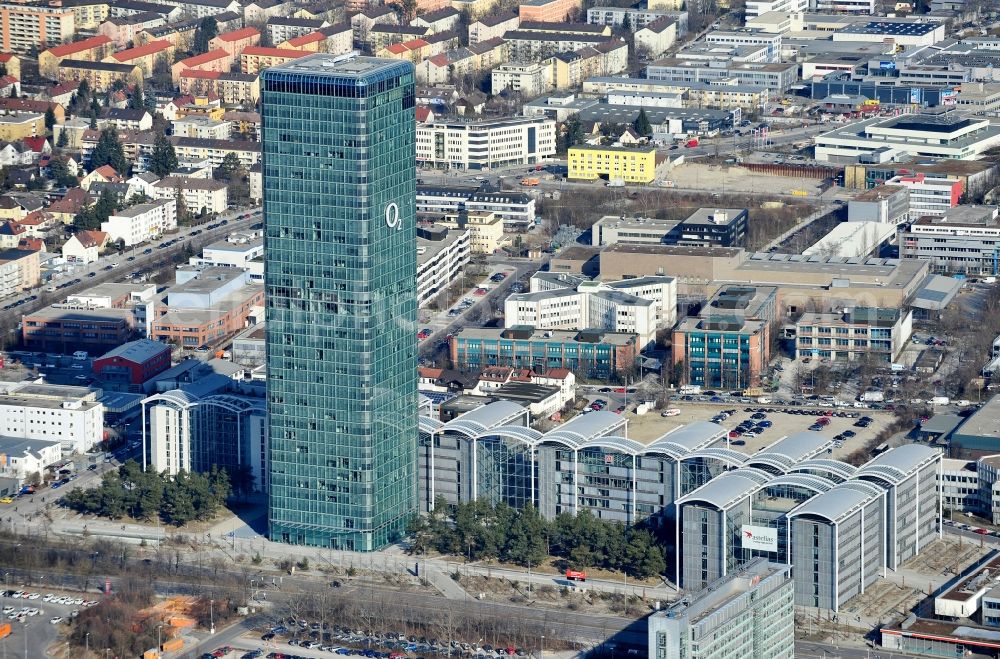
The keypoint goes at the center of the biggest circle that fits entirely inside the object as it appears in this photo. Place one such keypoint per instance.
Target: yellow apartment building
(631, 165)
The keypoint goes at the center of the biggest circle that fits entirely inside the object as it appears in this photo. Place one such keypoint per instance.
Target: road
(114, 267)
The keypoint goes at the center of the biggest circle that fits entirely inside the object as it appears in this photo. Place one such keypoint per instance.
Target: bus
(880, 449)
(576, 575)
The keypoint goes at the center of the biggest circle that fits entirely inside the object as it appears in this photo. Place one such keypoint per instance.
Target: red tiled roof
(423, 113)
(6, 57)
(558, 373)
(304, 39)
(6, 81)
(150, 48)
(236, 35)
(204, 58)
(71, 202)
(36, 144)
(397, 49)
(274, 52)
(64, 88)
(91, 238)
(414, 44)
(79, 46)
(425, 372)
(11, 228)
(32, 244)
(107, 171)
(198, 73)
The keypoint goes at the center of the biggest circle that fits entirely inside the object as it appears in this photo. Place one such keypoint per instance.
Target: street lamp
(541, 652)
(86, 642)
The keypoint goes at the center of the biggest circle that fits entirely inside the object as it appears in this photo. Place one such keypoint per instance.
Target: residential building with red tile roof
(256, 58)
(234, 42)
(214, 60)
(145, 56)
(93, 49)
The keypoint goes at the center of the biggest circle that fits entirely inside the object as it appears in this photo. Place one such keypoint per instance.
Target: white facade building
(71, 416)
(740, 38)
(198, 194)
(441, 255)
(756, 8)
(224, 254)
(639, 306)
(940, 135)
(929, 196)
(486, 144)
(20, 458)
(530, 79)
(142, 222)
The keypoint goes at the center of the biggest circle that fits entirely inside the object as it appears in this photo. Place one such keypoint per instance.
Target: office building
(65, 329)
(775, 77)
(879, 140)
(852, 240)
(71, 416)
(131, 364)
(886, 204)
(589, 353)
(485, 144)
(748, 614)
(714, 227)
(340, 273)
(964, 241)
(619, 164)
(185, 431)
(872, 333)
(206, 305)
(980, 435)
(633, 306)
(637, 18)
(928, 195)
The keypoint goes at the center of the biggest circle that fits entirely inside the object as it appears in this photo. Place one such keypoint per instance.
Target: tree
(207, 30)
(642, 125)
(50, 119)
(136, 100)
(627, 23)
(59, 172)
(109, 151)
(183, 216)
(95, 106)
(164, 158)
(62, 141)
(93, 120)
(229, 165)
(409, 8)
(83, 89)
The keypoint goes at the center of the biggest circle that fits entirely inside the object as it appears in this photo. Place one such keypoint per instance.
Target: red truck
(692, 142)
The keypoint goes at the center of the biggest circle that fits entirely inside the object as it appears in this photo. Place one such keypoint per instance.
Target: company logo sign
(759, 538)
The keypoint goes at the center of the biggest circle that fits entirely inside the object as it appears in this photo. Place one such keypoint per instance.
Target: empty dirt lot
(725, 179)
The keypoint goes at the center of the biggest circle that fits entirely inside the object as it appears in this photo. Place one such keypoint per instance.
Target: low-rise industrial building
(22, 458)
(963, 241)
(886, 204)
(64, 329)
(131, 364)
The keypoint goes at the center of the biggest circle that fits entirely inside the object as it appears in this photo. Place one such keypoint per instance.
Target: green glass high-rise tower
(340, 278)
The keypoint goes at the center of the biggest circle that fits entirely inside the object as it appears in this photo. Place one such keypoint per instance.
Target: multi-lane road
(115, 267)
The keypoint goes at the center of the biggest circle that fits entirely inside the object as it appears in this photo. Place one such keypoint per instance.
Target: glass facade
(340, 277)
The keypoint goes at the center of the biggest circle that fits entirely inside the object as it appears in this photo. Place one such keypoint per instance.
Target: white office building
(757, 8)
(243, 255)
(71, 416)
(929, 196)
(485, 144)
(925, 135)
(20, 458)
(185, 431)
(143, 222)
(441, 255)
(638, 306)
(743, 38)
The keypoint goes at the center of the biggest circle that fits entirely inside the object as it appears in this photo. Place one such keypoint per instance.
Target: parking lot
(37, 620)
(783, 419)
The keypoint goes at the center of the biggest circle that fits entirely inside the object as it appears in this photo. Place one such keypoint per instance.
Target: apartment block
(548, 11)
(19, 271)
(236, 41)
(93, 49)
(146, 56)
(140, 223)
(492, 27)
(199, 195)
(254, 59)
(24, 27)
(99, 75)
(441, 255)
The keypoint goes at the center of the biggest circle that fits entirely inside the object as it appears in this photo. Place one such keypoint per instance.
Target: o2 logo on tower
(392, 218)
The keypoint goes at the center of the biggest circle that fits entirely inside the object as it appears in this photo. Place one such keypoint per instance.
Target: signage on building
(949, 97)
(886, 65)
(759, 538)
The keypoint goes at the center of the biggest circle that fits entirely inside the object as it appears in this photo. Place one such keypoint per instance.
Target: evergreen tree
(642, 125)
(83, 90)
(207, 30)
(93, 120)
(164, 158)
(62, 141)
(136, 100)
(50, 119)
(109, 151)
